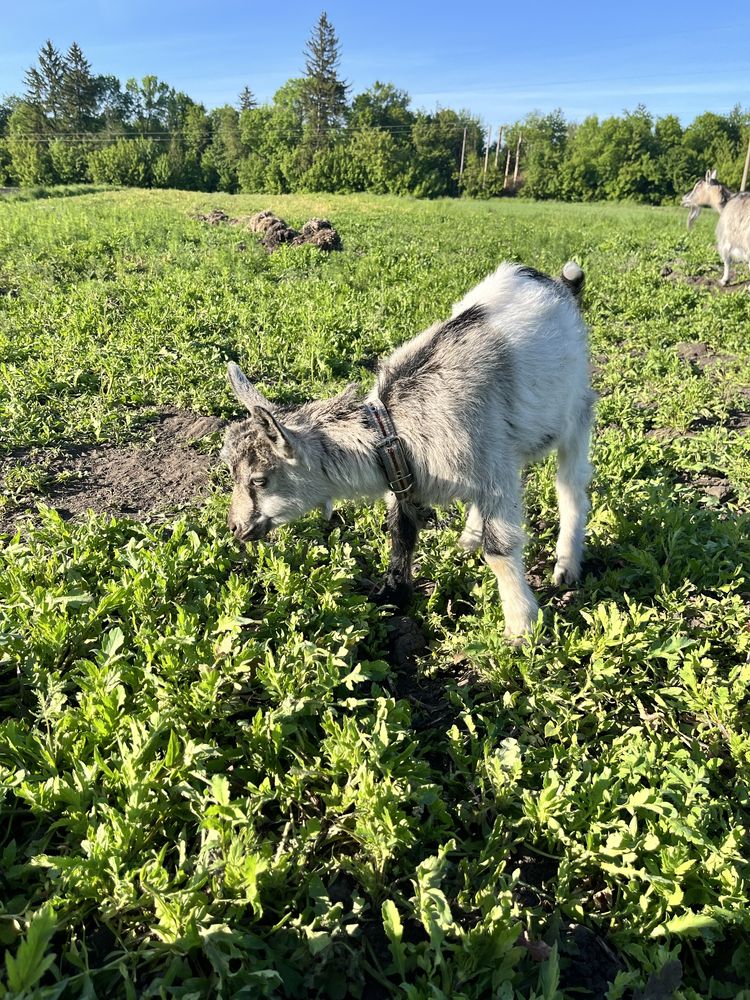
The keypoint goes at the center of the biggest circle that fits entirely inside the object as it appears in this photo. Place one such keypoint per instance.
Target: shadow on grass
(57, 191)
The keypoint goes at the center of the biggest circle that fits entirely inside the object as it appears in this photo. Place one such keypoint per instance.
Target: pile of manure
(212, 218)
(274, 231)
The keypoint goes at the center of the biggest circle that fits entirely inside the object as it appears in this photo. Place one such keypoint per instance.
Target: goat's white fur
(473, 404)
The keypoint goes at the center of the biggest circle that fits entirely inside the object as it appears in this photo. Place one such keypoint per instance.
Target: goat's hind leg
(502, 542)
(724, 279)
(573, 478)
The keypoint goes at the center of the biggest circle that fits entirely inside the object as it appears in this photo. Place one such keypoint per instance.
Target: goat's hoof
(565, 576)
(397, 593)
(519, 626)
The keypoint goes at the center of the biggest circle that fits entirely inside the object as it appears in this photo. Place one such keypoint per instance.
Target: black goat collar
(390, 449)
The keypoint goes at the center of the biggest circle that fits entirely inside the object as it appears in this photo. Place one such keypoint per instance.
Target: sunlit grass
(215, 780)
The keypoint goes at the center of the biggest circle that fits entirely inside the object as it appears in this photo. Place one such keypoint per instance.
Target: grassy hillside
(227, 773)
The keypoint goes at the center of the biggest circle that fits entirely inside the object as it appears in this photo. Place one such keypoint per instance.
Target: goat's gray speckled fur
(733, 227)
(501, 383)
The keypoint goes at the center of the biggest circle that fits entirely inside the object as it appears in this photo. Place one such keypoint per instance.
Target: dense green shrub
(126, 161)
(6, 171)
(69, 161)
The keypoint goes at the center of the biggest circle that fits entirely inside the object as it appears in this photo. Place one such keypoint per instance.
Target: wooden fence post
(743, 185)
(507, 169)
(518, 153)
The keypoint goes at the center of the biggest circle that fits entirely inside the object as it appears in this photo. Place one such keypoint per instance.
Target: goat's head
(706, 193)
(273, 480)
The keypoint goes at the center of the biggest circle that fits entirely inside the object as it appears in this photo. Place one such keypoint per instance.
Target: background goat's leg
(502, 541)
(573, 478)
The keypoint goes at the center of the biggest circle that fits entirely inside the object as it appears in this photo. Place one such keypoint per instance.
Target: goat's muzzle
(250, 531)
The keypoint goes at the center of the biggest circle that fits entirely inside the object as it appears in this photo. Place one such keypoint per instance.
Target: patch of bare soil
(431, 708)
(710, 484)
(274, 232)
(406, 641)
(736, 420)
(157, 475)
(700, 356)
(711, 282)
(590, 964)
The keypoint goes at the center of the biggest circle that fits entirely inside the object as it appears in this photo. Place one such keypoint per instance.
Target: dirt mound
(261, 222)
(160, 474)
(313, 226)
(213, 218)
(325, 239)
(711, 483)
(275, 232)
(700, 355)
(714, 486)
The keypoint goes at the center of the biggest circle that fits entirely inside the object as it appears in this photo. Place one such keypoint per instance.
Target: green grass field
(228, 774)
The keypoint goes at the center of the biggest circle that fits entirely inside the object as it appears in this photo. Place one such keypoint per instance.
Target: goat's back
(505, 378)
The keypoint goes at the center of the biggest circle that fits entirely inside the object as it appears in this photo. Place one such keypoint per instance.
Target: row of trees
(633, 156)
(72, 125)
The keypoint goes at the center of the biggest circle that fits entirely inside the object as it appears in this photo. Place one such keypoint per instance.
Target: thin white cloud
(553, 92)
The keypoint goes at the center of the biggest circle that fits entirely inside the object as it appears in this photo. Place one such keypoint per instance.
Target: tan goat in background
(733, 229)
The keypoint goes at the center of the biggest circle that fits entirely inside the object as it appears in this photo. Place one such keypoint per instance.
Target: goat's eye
(259, 480)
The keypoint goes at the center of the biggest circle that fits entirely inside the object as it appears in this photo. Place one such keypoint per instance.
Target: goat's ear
(277, 434)
(243, 389)
(713, 175)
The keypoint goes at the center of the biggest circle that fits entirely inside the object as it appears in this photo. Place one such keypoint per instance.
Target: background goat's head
(273, 481)
(706, 193)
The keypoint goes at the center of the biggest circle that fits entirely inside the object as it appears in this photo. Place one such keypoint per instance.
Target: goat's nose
(235, 527)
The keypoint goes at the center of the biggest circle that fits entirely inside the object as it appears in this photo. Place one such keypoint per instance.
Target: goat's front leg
(404, 522)
(502, 544)
(724, 279)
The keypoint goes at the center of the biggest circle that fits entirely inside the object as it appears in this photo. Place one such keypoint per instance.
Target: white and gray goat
(474, 399)
(733, 228)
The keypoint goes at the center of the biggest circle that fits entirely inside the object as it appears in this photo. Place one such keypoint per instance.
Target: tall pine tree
(325, 92)
(247, 100)
(44, 83)
(80, 92)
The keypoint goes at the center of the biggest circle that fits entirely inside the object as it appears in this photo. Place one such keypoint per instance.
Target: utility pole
(487, 149)
(743, 185)
(463, 150)
(518, 153)
(499, 140)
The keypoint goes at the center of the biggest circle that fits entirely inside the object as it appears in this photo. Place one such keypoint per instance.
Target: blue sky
(499, 60)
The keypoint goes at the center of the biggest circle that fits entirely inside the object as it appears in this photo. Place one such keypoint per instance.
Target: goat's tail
(573, 278)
